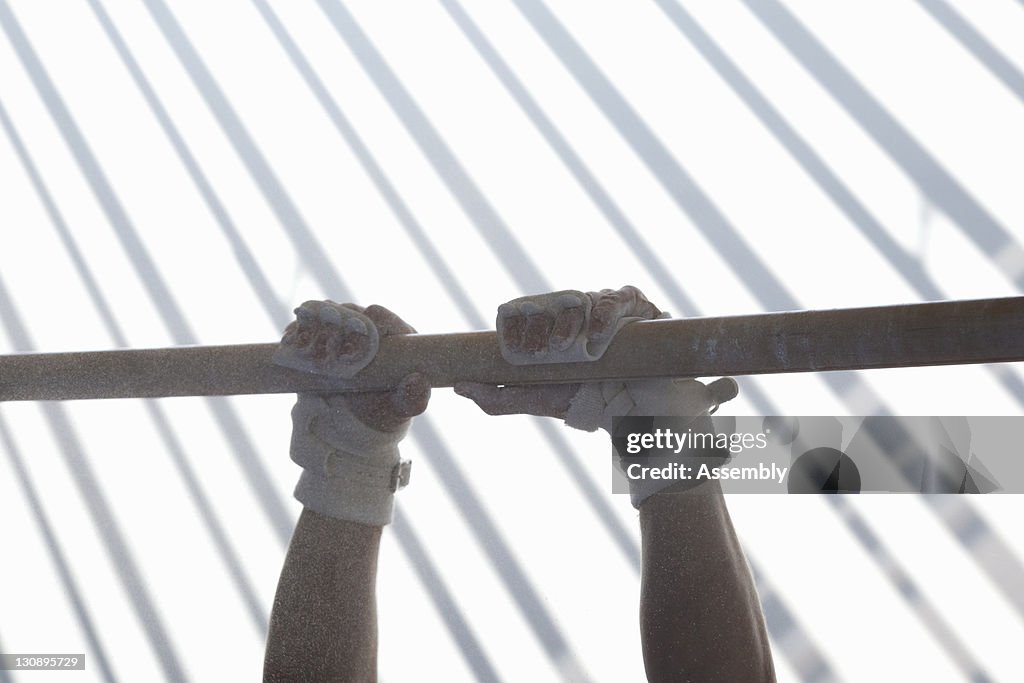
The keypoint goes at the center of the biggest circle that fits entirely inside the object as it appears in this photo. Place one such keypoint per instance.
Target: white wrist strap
(350, 471)
(596, 403)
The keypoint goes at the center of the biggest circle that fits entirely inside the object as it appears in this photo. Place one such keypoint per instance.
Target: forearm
(700, 616)
(324, 620)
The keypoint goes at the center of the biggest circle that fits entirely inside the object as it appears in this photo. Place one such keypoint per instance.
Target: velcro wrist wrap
(596, 403)
(350, 471)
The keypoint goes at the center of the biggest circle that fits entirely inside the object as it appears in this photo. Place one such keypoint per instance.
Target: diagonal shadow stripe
(421, 561)
(679, 185)
(86, 160)
(245, 147)
(622, 538)
(145, 268)
(601, 198)
(931, 178)
(53, 547)
(246, 261)
(5, 676)
(468, 195)
(329, 279)
(436, 151)
(923, 609)
(975, 43)
(985, 547)
(220, 538)
(416, 122)
(199, 497)
(889, 565)
(807, 663)
(596, 499)
(800, 150)
(442, 598)
(814, 166)
(998, 561)
(413, 228)
(797, 645)
(434, 259)
(404, 215)
(828, 181)
(925, 612)
(437, 263)
(57, 220)
(501, 556)
(103, 518)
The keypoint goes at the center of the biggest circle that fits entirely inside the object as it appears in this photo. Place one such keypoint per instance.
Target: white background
(952, 111)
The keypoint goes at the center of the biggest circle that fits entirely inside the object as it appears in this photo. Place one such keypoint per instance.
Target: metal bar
(940, 333)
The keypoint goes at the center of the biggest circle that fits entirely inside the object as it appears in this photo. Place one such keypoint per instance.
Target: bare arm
(323, 626)
(700, 617)
(324, 621)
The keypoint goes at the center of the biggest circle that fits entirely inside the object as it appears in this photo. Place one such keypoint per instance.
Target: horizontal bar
(940, 333)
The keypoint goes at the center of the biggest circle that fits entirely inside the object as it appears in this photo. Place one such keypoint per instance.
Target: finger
(353, 340)
(724, 389)
(290, 333)
(611, 306)
(372, 408)
(306, 324)
(538, 332)
(545, 401)
(486, 396)
(325, 344)
(308, 311)
(387, 322)
(330, 314)
(411, 396)
(568, 323)
(305, 333)
(513, 332)
(605, 314)
(641, 307)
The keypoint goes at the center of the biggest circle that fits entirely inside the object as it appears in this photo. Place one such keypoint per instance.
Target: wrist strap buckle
(400, 475)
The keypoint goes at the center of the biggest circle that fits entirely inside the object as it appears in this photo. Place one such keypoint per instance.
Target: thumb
(411, 396)
(549, 400)
(722, 390)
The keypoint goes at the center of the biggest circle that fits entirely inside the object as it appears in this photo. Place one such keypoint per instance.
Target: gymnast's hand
(347, 443)
(549, 326)
(573, 326)
(341, 339)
